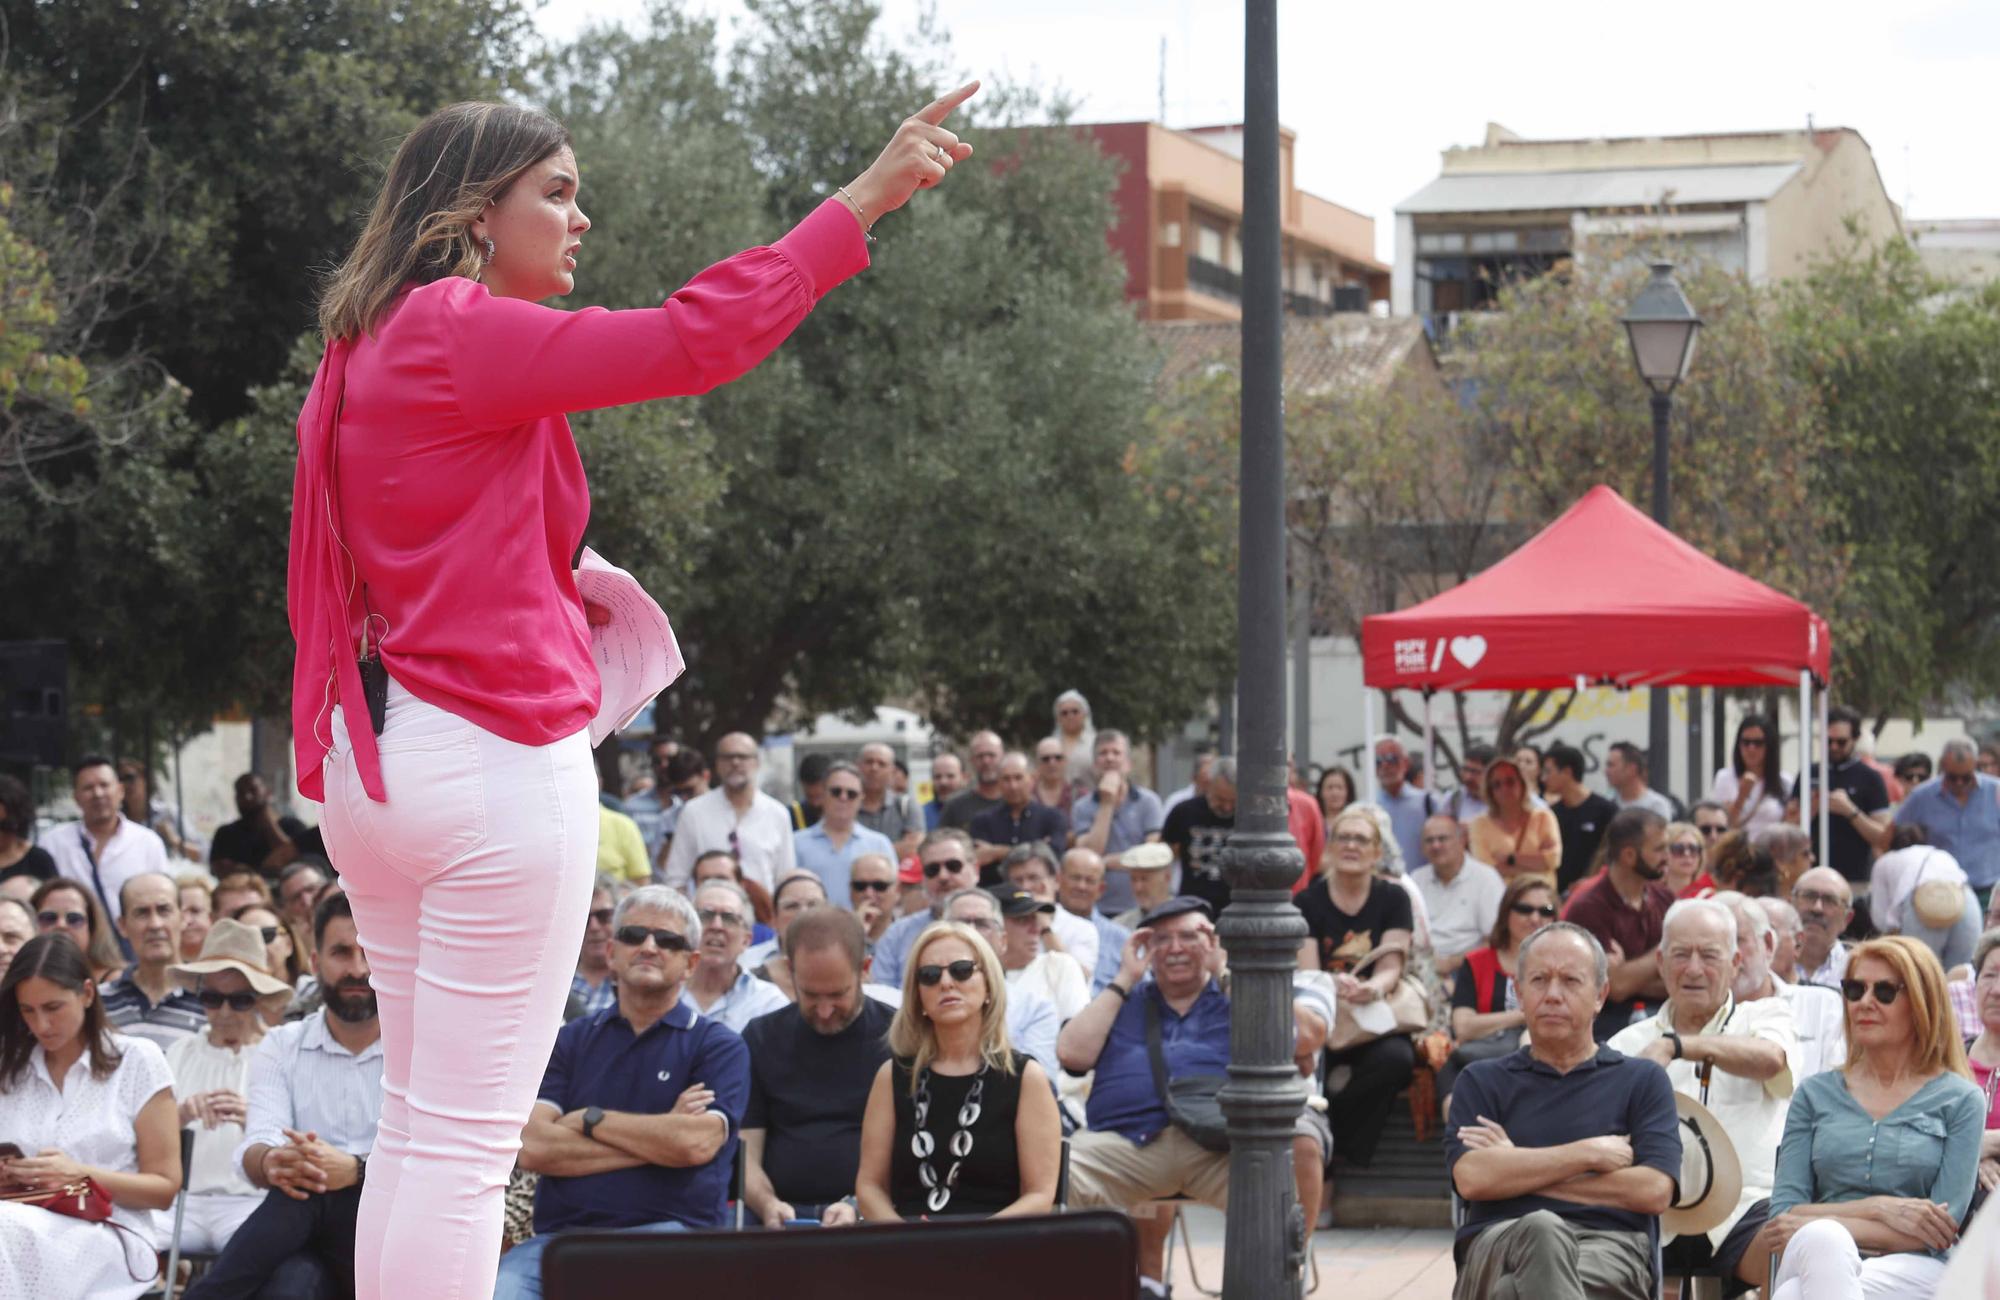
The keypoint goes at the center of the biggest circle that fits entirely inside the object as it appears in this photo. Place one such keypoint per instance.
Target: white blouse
(1761, 807)
(91, 1120)
(200, 1066)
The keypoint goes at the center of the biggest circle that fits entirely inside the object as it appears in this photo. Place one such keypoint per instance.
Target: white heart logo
(1468, 650)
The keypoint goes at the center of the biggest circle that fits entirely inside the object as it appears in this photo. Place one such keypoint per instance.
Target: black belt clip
(374, 676)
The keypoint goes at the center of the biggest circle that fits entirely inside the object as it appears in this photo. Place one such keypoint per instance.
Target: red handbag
(84, 1199)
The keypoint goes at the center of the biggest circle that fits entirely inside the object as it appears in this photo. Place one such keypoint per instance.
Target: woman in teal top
(1877, 1166)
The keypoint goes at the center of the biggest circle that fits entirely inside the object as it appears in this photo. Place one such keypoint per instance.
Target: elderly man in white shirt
(735, 817)
(1818, 1016)
(1461, 894)
(1740, 1059)
(106, 848)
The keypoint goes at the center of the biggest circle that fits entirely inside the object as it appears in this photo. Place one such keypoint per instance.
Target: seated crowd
(861, 1007)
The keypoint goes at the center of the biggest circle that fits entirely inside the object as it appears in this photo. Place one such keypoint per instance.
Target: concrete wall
(1807, 218)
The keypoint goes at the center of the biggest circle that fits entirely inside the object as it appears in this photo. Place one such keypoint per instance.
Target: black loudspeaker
(34, 701)
(1089, 1256)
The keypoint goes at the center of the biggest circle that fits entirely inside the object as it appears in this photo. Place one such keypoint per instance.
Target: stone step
(1405, 1187)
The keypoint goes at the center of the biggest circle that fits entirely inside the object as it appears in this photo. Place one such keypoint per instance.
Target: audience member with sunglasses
(635, 1125)
(65, 905)
(958, 1123)
(949, 865)
(211, 1073)
(871, 896)
(591, 989)
(1879, 1158)
(1959, 809)
(1486, 1017)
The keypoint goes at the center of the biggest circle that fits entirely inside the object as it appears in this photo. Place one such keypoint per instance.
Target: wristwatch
(594, 1115)
(360, 1170)
(1674, 1037)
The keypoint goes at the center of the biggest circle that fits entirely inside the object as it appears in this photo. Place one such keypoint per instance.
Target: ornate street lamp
(1264, 1235)
(1662, 327)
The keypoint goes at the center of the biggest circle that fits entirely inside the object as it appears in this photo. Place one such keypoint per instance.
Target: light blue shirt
(1835, 1151)
(1137, 817)
(748, 998)
(1969, 832)
(647, 809)
(302, 1079)
(893, 949)
(1408, 809)
(1111, 938)
(813, 848)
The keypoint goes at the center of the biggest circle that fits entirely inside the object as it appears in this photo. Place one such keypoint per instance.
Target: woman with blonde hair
(1880, 1155)
(958, 1123)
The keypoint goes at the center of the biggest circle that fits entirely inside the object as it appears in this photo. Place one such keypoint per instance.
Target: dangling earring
(488, 241)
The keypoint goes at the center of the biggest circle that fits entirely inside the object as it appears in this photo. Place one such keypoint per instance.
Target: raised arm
(1082, 1039)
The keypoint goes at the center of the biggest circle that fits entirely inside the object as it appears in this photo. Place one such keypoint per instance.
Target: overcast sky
(1376, 90)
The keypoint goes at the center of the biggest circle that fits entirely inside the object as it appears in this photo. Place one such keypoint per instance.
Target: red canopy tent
(1602, 596)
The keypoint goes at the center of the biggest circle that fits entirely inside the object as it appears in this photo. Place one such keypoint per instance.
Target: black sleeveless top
(989, 1174)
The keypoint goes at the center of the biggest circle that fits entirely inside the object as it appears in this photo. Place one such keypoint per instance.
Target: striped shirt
(163, 1023)
(594, 997)
(302, 1079)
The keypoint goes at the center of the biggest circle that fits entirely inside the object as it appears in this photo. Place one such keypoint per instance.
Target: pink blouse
(459, 494)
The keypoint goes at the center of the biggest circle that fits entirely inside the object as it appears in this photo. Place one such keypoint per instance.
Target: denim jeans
(469, 889)
(521, 1268)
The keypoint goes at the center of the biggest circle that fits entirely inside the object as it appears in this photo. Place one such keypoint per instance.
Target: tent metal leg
(1368, 743)
(1825, 779)
(1805, 744)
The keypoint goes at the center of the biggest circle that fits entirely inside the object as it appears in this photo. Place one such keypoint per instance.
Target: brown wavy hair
(1496, 939)
(458, 160)
(56, 958)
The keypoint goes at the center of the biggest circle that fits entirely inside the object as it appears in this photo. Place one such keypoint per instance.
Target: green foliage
(924, 494)
(1908, 373)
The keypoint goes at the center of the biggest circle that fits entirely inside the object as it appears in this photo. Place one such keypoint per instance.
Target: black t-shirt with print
(1198, 835)
(1345, 939)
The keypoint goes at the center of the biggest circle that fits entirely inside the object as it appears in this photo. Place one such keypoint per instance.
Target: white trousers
(469, 887)
(1822, 1263)
(212, 1218)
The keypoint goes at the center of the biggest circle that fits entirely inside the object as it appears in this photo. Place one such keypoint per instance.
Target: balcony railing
(1218, 281)
(1215, 280)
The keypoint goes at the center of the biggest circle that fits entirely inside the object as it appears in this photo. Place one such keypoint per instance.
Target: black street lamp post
(1264, 1237)
(1662, 327)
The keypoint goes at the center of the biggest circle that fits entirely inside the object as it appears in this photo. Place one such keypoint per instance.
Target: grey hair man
(1826, 905)
(1818, 1015)
(1959, 808)
(719, 987)
(1738, 1058)
(1785, 929)
(1564, 1153)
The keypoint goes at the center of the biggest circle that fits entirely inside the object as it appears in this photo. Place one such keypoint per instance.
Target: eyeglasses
(74, 920)
(1532, 909)
(735, 758)
(602, 915)
(960, 972)
(984, 924)
(270, 933)
(1354, 841)
(215, 1000)
(1712, 832)
(1885, 991)
(879, 886)
(635, 936)
(842, 793)
(1684, 850)
(1388, 760)
(1817, 898)
(1751, 742)
(1048, 758)
(715, 915)
(953, 865)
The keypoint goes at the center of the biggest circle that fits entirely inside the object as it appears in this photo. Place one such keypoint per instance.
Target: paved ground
(1354, 1263)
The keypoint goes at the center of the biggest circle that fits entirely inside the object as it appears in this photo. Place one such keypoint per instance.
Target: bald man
(1825, 904)
(734, 817)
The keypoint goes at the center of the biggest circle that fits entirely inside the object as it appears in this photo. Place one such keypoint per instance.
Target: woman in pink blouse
(438, 506)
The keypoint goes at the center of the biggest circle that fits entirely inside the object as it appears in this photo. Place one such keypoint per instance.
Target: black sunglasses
(215, 1000)
(842, 794)
(953, 865)
(960, 972)
(1530, 909)
(270, 933)
(634, 936)
(602, 915)
(1885, 991)
(49, 920)
(879, 886)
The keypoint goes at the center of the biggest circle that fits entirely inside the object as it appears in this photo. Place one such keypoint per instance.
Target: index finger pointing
(938, 110)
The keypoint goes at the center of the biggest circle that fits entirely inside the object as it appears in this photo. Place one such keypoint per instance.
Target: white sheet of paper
(636, 653)
(1375, 1017)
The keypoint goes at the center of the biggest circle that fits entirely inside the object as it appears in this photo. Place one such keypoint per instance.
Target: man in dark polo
(1565, 1153)
(811, 1068)
(636, 1125)
(1018, 820)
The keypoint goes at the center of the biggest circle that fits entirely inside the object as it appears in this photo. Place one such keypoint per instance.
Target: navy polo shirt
(1609, 1095)
(598, 1062)
(1123, 1098)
